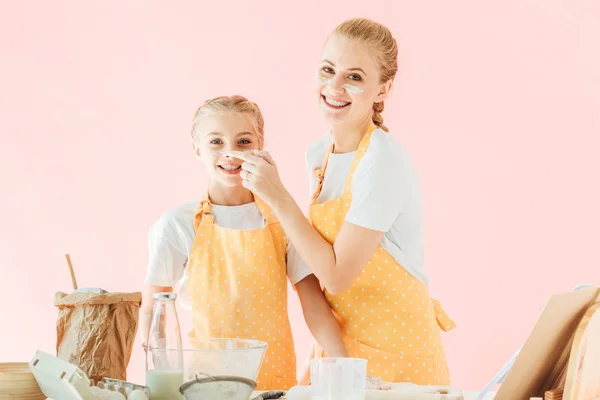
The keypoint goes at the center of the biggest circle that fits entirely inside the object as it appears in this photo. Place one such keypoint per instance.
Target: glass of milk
(164, 356)
(165, 379)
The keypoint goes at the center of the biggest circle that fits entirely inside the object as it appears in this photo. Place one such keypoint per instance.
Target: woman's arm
(319, 317)
(337, 266)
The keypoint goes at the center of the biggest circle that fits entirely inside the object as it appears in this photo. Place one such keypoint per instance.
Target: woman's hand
(260, 175)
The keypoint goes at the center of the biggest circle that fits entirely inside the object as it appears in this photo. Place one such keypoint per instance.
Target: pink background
(497, 102)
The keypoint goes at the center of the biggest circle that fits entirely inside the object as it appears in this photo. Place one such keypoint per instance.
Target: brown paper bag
(96, 331)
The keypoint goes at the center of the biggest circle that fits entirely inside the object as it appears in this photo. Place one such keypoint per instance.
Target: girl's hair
(384, 47)
(232, 103)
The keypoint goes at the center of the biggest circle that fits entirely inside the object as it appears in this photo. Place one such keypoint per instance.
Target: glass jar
(164, 358)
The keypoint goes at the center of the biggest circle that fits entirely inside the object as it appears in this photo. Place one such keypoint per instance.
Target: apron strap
(319, 173)
(360, 152)
(203, 214)
(266, 211)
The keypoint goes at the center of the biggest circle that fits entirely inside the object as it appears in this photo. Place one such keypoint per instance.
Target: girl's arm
(319, 317)
(146, 309)
(166, 265)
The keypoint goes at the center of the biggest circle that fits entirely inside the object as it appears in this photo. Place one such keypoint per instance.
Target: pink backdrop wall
(496, 101)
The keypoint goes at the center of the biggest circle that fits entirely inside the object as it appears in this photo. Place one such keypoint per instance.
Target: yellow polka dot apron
(386, 316)
(238, 286)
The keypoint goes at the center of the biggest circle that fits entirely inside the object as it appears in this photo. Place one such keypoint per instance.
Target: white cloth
(171, 238)
(385, 194)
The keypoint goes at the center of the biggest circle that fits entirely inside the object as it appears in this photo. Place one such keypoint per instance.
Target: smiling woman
(364, 240)
(357, 72)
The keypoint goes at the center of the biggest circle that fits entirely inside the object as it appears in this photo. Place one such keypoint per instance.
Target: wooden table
(473, 395)
(469, 395)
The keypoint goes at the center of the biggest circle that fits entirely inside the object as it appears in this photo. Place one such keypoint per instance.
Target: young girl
(231, 253)
(364, 240)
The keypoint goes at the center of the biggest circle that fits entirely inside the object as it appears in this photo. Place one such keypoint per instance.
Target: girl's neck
(229, 195)
(346, 138)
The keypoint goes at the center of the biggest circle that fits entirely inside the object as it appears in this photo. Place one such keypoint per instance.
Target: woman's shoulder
(388, 160)
(383, 149)
(384, 144)
(385, 152)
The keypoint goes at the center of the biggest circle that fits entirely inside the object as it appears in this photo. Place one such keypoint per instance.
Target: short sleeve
(167, 261)
(296, 268)
(381, 186)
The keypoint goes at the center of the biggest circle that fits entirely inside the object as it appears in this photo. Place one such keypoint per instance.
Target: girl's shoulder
(175, 218)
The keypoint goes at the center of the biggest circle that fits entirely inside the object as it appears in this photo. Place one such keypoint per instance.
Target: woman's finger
(245, 175)
(248, 176)
(248, 185)
(265, 156)
(246, 156)
(252, 168)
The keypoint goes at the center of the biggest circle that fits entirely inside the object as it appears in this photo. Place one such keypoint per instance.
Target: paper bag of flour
(96, 331)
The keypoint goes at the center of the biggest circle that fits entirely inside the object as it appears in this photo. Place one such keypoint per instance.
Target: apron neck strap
(266, 211)
(204, 215)
(360, 152)
(320, 175)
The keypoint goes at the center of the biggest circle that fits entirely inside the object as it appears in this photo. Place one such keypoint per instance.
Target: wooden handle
(73, 280)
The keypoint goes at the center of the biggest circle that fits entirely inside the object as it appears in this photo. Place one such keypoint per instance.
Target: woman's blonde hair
(235, 103)
(382, 43)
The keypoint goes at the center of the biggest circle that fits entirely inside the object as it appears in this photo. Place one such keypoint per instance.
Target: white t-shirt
(385, 194)
(171, 238)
